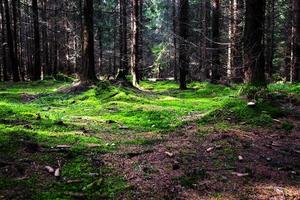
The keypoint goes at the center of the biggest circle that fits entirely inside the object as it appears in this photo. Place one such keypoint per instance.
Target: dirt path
(261, 163)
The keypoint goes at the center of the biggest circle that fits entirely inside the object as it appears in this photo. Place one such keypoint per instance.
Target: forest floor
(156, 143)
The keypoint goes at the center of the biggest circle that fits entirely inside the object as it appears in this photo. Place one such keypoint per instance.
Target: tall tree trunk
(141, 39)
(183, 44)
(100, 48)
(37, 46)
(13, 58)
(46, 65)
(123, 70)
(15, 27)
(270, 23)
(295, 69)
(115, 45)
(22, 67)
(88, 72)
(216, 63)
(55, 38)
(235, 70)
(174, 16)
(204, 35)
(3, 41)
(253, 45)
(135, 43)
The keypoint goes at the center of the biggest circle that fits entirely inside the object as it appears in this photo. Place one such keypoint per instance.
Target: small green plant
(287, 126)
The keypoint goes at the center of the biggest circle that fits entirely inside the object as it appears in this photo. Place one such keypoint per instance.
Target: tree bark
(13, 58)
(37, 46)
(135, 43)
(216, 63)
(183, 44)
(270, 37)
(295, 69)
(3, 41)
(253, 45)
(123, 68)
(46, 64)
(88, 73)
(174, 15)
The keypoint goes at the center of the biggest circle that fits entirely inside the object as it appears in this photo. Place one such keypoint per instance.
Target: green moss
(287, 126)
(192, 178)
(105, 111)
(237, 110)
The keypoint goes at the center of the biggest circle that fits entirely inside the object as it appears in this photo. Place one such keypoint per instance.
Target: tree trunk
(216, 64)
(135, 43)
(46, 65)
(88, 71)
(100, 48)
(288, 51)
(235, 70)
(270, 37)
(174, 15)
(253, 45)
(37, 46)
(13, 58)
(3, 41)
(183, 44)
(295, 69)
(123, 42)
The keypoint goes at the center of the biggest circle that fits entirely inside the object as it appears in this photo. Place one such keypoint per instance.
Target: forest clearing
(121, 143)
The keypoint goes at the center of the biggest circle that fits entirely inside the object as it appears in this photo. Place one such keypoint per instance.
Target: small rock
(251, 104)
(49, 169)
(240, 158)
(293, 172)
(240, 174)
(123, 127)
(210, 149)
(57, 172)
(169, 154)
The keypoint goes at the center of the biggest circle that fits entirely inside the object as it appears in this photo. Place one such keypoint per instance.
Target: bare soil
(240, 163)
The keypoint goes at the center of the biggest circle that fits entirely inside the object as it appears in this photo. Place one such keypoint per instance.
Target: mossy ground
(36, 117)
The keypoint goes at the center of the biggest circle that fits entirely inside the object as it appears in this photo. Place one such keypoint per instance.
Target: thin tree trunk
(13, 58)
(183, 45)
(174, 15)
(3, 41)
(46, 65)
(270, 37)
(123, 68)
(295, 69)
(37, 46)
(135, 43)
(216, 63)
